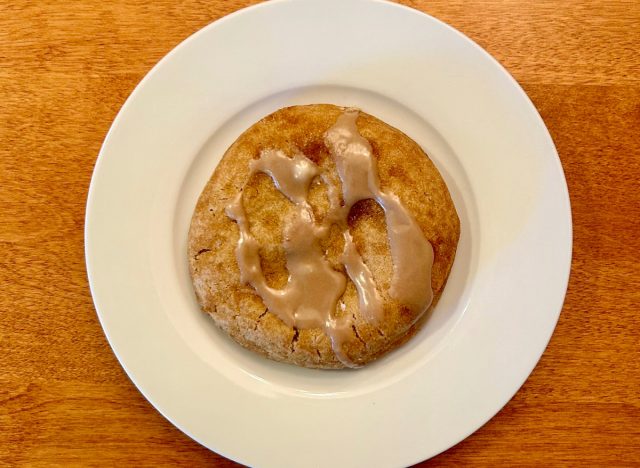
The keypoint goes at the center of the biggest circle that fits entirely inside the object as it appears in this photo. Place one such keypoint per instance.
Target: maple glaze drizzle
(313, 289)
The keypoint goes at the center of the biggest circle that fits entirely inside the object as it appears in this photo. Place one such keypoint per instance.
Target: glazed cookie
(322, 237)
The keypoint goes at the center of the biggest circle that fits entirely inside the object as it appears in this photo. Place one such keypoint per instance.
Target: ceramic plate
(505, 291)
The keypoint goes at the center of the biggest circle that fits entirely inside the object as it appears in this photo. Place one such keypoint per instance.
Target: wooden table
(65, 70)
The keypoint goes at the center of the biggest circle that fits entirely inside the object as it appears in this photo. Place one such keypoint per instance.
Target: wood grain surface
(66, 69)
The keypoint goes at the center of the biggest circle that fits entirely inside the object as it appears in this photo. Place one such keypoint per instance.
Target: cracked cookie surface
(404, 170)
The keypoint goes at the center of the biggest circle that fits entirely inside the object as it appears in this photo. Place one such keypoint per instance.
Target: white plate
(505, 291)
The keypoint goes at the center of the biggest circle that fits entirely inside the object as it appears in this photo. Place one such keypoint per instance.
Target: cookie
(322, 237)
